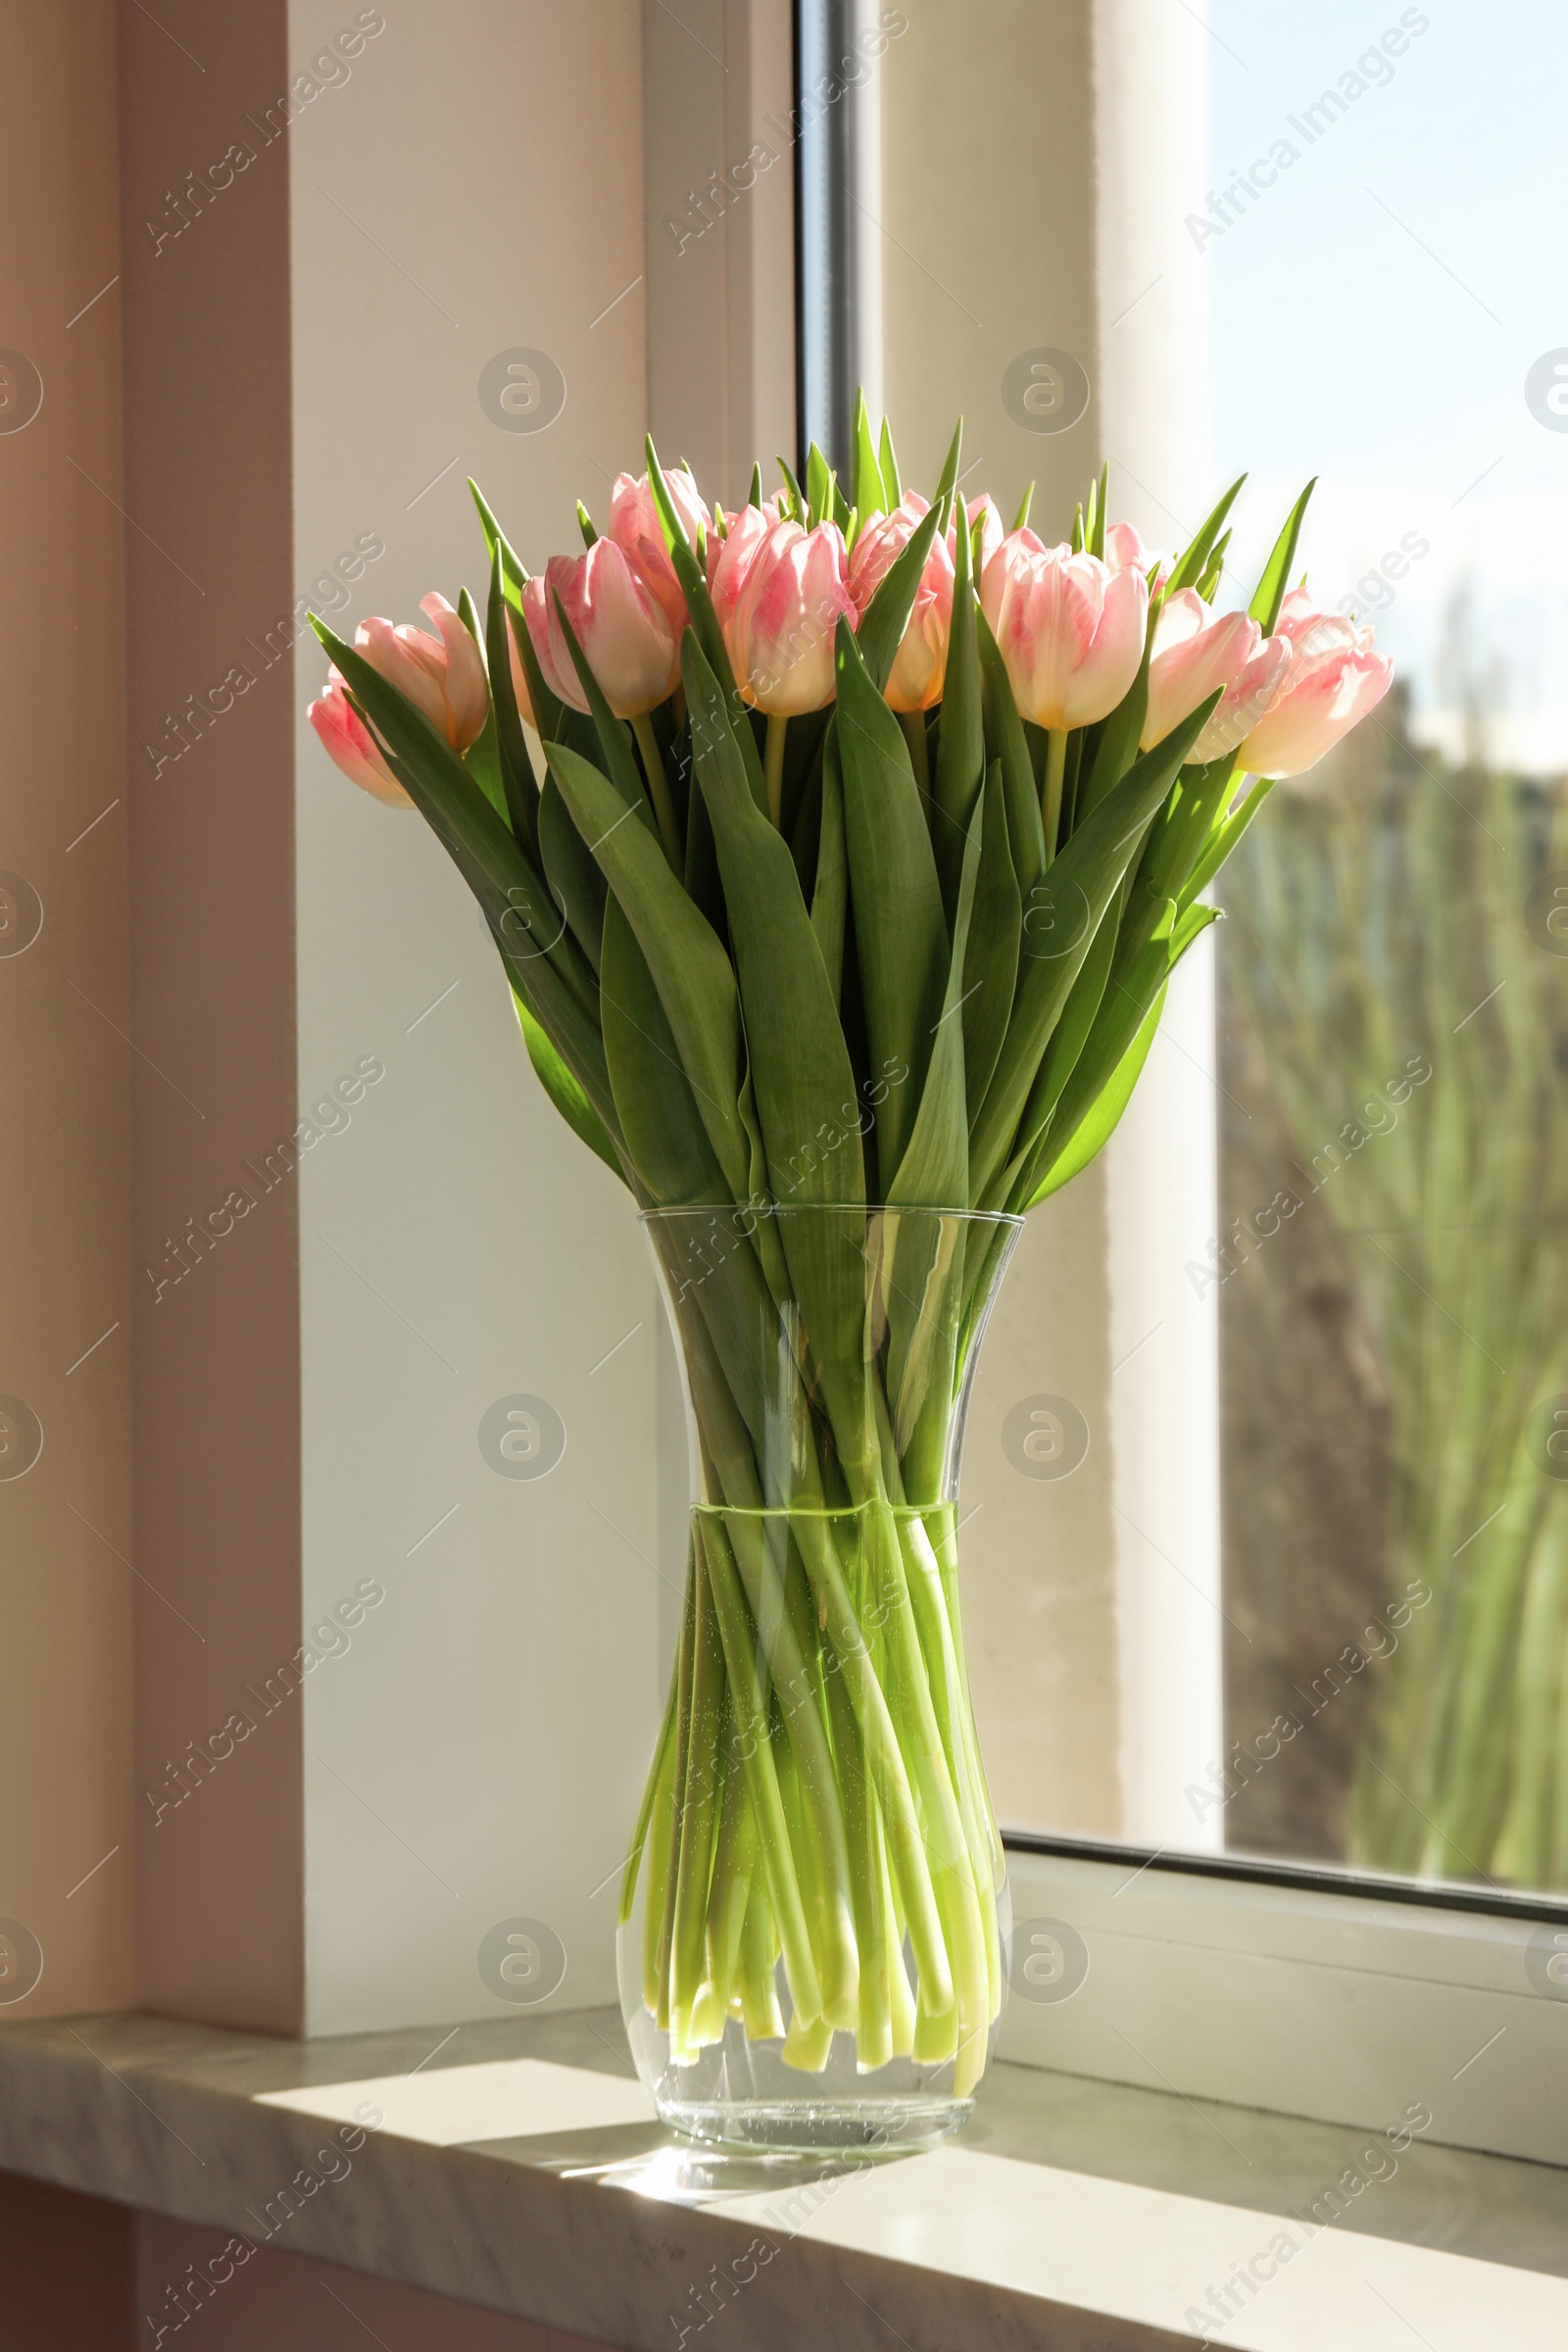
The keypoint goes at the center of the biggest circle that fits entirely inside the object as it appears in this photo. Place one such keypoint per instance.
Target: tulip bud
(1333, 680)
(635, 527)
(630, 646)
(351, 745)
(1071, 631)
(993, 530)
(442, 676)
(1196, 651)
(1126, 552)
(919, 665)
(778, 591)
(1245, 700)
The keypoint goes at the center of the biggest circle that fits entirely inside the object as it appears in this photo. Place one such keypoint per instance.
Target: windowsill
(1070, 2213)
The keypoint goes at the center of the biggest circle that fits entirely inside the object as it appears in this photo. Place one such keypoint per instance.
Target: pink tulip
(993, 530)
(778, 590)
(1071, 631)
(631, 646)
(536, 620)
(1334, 680)
(442, 676)
(1196, 651)
(1124, 548)
(920, 663)
(635, 528)
(1125, 551)
(352, 747)
(1245, 700)
(744, 533)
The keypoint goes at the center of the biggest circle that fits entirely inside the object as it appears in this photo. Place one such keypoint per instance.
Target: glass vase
(813, 1911)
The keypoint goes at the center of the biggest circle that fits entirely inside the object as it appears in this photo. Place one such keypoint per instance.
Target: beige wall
(720, 255)
(457, 1244)
(65, 1075)
(207, 463)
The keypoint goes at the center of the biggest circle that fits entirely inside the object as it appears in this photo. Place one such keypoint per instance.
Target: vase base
(874, 2130)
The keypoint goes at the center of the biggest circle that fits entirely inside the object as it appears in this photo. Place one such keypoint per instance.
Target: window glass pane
(1302, 1590)
(1394, 978)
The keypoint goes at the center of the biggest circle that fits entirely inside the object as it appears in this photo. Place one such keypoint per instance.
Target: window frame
(1297, 1990)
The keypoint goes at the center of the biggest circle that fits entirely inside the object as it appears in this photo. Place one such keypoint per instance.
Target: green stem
(759, 2010)
(656, 1781)
(773, 768)
(642, 726)
(1050, 789)
(748, 1689)
(951, 1706)
(680, 1752)
(873, 2039)
(734, 1870)
(780, 1605)
(698, 1811)
(914, 725)
(655, 1910)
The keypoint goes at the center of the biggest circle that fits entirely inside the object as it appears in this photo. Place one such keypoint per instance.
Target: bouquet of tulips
(838, 850)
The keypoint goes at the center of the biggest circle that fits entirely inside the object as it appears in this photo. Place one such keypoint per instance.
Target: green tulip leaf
(576, 884)
(960, 763)
(562, 1087)
(690, 972)
(901, 935)
(934, 1170)
(892, 485)
(870, 494)
(830, 889)
(513, 574)
(1265, 605)
(1193, 562)
(519, 783)
(1223, 838)
(887, 615)
(991, 963)
(801, 1072)
(1005, 741)
(665, 1137)
(1099, 1122)
(1060, 921)
(802, 1076)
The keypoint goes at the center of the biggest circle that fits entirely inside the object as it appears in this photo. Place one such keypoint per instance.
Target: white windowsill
(1070, 2214)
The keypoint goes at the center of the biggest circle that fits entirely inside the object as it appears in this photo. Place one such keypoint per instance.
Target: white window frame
(1314, 1993)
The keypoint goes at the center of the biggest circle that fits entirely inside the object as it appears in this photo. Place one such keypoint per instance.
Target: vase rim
(826, 1208)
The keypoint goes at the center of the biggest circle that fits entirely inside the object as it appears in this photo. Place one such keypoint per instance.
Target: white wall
(477, 1754)
(1160, 1169)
